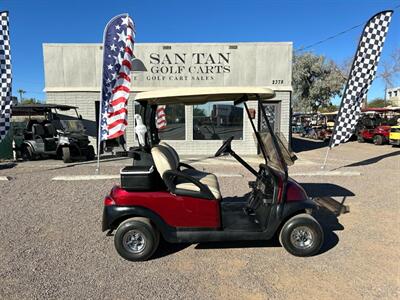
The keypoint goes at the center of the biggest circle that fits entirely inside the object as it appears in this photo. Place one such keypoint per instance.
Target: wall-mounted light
(138, 65)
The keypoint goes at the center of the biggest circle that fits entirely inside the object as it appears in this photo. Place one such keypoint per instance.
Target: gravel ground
(52, 244)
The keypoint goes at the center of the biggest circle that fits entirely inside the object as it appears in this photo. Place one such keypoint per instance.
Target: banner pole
(326, 158)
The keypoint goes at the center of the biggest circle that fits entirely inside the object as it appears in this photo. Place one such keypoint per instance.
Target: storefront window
(171, 122)
(217, 121)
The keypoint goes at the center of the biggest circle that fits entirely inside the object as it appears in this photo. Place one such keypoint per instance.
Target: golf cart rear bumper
(111, 214)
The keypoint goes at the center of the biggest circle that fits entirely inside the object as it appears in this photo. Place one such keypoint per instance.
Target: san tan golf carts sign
(216, 64)
(182, 66)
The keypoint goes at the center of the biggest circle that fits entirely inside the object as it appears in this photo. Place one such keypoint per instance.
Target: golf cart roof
(38, 107)
(199, 95)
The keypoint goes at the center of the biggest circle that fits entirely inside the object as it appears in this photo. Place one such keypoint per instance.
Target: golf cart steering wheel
(225, 148)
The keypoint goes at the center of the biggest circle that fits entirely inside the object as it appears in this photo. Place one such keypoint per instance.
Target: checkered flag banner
(361, 76)
(5, 67)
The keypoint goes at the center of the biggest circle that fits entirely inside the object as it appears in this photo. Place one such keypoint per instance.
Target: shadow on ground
(372, 160)
(5, 166)
(329, 209)
(302, 144)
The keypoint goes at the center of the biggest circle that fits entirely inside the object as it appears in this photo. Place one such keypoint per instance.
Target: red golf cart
(375, 125)
(160, 196)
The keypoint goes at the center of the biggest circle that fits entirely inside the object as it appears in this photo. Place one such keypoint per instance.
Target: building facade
(393, 95)
(73, 76)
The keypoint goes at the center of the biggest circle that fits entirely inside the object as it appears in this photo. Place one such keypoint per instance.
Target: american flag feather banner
(5, 69)
(117, 65)
(362, 74)
(161, 117)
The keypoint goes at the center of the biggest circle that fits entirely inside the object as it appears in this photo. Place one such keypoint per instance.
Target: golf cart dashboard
(264, 186)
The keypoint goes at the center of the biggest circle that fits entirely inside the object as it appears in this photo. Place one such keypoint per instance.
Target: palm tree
(21, 92)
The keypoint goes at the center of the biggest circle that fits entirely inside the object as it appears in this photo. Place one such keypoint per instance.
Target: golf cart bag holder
(140, 178)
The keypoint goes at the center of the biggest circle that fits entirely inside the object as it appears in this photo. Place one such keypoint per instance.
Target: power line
(329, 38)
(334, 36)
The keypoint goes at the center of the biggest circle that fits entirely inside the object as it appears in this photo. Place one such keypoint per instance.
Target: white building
(393, 95)
(73, 71)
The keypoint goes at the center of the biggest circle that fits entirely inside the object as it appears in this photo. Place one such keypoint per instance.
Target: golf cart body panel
(376, 123)
(184, 204)
(394, 137)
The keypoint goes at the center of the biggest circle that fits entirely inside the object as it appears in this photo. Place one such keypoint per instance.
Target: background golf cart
(320, 127)
(44, 130)
(375, 124)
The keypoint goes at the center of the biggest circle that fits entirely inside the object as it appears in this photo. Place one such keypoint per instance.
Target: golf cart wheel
(27, 153)
(90, 153)
(136, 239)
(378, 140)
(302, 235)
(66, 155)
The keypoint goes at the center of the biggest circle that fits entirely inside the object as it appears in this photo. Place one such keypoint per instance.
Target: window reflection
(217, 121)
(171, 122)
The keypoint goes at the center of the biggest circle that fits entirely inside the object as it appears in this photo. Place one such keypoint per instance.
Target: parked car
(49, 130)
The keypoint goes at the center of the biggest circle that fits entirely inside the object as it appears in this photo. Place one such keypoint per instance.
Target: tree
(390, 70)
(329, 108)
(377, 102)
(29, 101)
(21, 92)
(315, 81)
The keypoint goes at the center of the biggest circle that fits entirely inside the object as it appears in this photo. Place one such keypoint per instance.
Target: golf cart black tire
(27, 153)
(378, 139)
(148, 231)
(66, 155)
(90, 153)
(305, 220)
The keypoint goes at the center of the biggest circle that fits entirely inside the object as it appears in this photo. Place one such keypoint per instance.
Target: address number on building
(277, 81)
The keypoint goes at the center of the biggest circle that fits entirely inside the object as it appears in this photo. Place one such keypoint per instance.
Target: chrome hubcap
(302, 237)
(134, 241)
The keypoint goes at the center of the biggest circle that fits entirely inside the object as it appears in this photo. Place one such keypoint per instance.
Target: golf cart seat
(188, 169)
(202, 185)
(38, 131)
(50, 130)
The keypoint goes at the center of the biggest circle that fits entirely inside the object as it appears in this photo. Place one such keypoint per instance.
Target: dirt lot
(52, 245)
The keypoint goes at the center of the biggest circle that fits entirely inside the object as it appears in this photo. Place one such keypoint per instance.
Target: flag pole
(101, 101)
(326, 158)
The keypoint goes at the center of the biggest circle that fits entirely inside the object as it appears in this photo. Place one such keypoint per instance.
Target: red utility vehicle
(160, 196)
(375, 125)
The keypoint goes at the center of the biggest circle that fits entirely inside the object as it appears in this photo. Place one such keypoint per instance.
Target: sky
(34, 22)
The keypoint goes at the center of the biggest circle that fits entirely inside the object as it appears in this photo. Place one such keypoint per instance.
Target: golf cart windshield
(271, 146)
(70, 122)
(72, 125)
